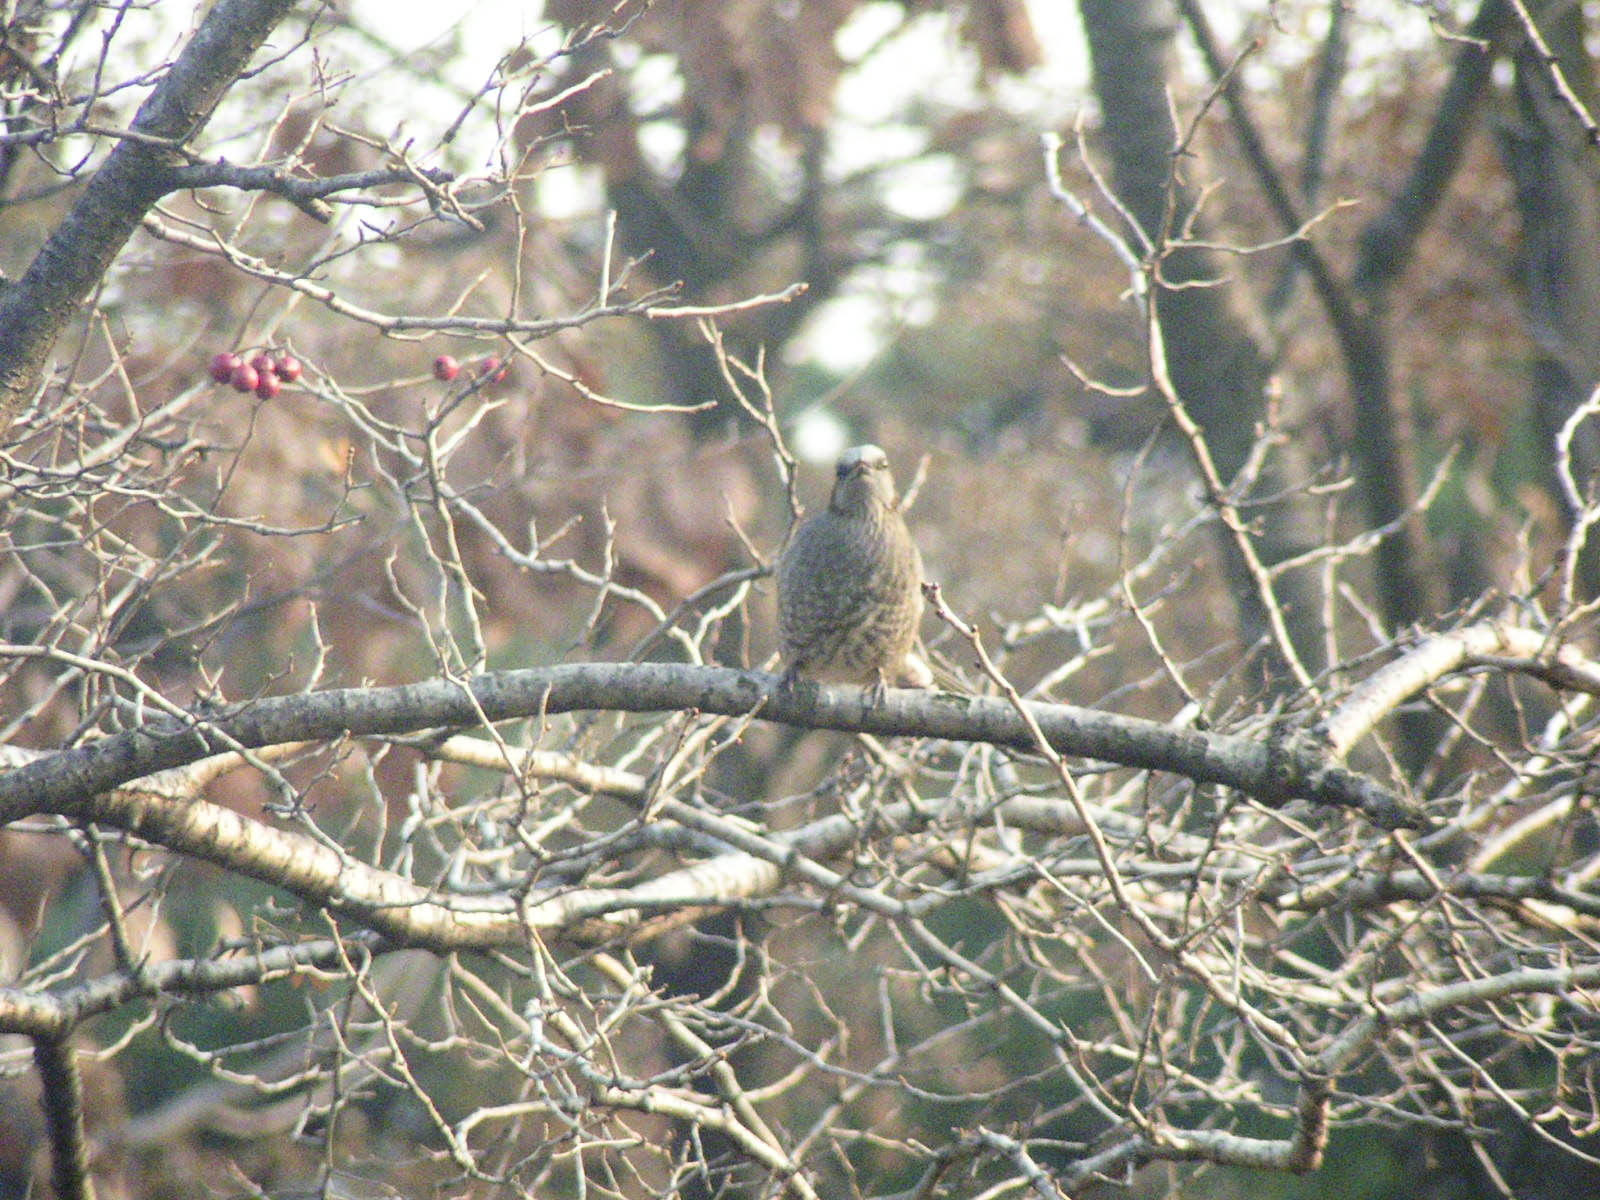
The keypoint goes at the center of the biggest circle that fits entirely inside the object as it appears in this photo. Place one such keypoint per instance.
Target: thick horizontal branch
(1269, 771)
(54, 1014)
(1384, 889)
(1491, 643)
(1419, 1006)
(308, 194)
(271, 179)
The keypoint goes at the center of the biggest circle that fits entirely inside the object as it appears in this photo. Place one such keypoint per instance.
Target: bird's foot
(878, 691)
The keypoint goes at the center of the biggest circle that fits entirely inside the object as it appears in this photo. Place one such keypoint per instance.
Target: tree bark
(38, 307)
(1558, 201)
(1219, 368)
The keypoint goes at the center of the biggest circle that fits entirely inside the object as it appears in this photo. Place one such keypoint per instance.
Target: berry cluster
(263, 373)
(491, 369)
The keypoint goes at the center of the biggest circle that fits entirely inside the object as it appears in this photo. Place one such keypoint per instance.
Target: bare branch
(35, 310)
(67, 782)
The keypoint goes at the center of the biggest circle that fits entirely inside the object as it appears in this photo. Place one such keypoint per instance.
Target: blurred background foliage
(886, 154)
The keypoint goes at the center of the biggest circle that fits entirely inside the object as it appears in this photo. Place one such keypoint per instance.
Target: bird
(850, 585)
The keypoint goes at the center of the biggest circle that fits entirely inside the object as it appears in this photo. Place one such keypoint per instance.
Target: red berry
(262, 362)
(244, 378)
(289, 367)
(492, 369)
(268, 387)
(222, 366)
(445, 368)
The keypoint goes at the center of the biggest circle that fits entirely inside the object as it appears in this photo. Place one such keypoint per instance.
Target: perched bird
(850, 584)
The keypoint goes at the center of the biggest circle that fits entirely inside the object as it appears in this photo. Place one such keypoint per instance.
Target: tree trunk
(1218, 366)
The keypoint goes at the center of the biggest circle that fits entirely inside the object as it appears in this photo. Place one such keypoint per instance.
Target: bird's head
(862, 483)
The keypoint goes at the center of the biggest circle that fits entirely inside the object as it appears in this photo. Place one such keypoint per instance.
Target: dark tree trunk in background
(697, 229)
(1218, 366)
(1555, 173)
